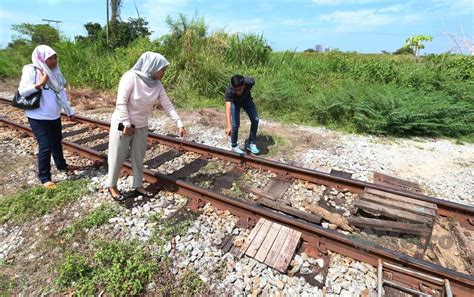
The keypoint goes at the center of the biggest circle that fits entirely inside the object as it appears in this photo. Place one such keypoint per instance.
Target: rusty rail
(463, 213)
(446, 208)
(316, 239)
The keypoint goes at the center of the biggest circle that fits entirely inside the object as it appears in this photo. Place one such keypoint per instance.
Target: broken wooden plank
(416, 229)
(190, 168)
(340, 173)
(267, 243)
(417, 209)
(162, 159)
(400, 198)
(277, 187)
(229, 244)
(277, 245)
(287, 251)
(259, 193)
(259, 238)
(225, 181)
(252, 235)
(313, 218)
(333, 218)
(392, 213)
(395, 182)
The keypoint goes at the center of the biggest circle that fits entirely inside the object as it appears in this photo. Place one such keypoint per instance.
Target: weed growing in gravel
(166, 230)
(119, 268)
(192, 283)
(96, 218)
(6, 286)
(38, 201)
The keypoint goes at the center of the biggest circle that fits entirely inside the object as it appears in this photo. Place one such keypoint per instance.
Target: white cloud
(293, 22)
(254, 25)
(155, 12)
(368, 18)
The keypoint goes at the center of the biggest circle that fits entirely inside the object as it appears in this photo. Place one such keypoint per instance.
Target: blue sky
(367, 26)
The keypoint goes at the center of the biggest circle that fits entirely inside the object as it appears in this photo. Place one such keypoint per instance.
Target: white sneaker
(237, 150)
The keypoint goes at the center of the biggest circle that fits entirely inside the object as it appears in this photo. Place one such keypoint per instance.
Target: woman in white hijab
(140, 88)
(44, 74)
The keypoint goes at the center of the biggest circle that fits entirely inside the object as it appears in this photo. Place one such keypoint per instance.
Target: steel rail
(462, 212)
(316, 238)
(446, 208)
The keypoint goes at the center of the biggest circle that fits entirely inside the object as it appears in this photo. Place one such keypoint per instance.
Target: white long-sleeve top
(135, 101)
(49, 108)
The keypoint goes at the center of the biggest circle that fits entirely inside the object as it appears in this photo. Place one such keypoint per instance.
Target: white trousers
(120, 145)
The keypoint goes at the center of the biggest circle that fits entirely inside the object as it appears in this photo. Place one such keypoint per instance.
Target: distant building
(322, 48)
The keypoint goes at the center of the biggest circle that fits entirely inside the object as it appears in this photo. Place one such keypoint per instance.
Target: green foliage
(37, 34)
(192, 283)
(122, 34)
(166, 230)
(120, 268)
(97, 217)
(379, 93)
(38, 201)
(6, 286)
(416, 42)
(404, 50)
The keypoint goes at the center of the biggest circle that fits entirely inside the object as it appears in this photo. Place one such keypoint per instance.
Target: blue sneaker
(237, 150)
(252, 148)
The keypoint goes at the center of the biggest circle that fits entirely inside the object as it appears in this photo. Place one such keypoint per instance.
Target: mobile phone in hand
(120, 126)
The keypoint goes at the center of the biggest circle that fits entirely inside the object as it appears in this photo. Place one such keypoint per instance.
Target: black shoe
(144, 194)
(119, 197)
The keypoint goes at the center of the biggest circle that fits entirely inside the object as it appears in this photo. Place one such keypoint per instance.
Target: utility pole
(107, 23)
(52, 21)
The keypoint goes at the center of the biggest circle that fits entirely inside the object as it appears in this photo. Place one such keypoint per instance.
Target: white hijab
(56, 80)
(147, 65)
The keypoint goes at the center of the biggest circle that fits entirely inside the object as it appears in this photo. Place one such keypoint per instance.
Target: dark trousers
(251, 111)
(48, 135)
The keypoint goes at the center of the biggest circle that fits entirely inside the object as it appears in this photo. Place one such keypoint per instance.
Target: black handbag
(27, 102)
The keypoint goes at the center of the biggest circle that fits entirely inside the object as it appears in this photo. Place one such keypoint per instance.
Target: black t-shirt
(246, 95)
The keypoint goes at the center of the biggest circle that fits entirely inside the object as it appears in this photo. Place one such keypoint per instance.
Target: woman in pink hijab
(44, 74)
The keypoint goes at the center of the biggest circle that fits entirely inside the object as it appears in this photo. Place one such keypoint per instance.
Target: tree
(416, 42)
(37, 34)
(404, 50)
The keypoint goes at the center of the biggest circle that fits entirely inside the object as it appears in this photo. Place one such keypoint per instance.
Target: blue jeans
(48, 135)
(251, 111)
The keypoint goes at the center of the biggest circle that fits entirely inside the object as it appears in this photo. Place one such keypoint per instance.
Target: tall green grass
(378, 94)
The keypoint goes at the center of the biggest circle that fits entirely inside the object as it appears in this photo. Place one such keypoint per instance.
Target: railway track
(410, 271)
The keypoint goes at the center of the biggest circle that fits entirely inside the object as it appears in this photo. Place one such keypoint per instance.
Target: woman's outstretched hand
(182, 132)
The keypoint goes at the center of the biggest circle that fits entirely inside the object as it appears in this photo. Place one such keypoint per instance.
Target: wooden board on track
(395, 182)
(272, 244)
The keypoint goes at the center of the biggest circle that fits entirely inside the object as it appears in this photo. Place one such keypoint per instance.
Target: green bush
(120, 268)
(398, 95)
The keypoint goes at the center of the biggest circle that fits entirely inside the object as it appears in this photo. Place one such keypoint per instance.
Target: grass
(168, 229)
(38, 201)
(119, 268)
(6, 286)
(97, 217)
